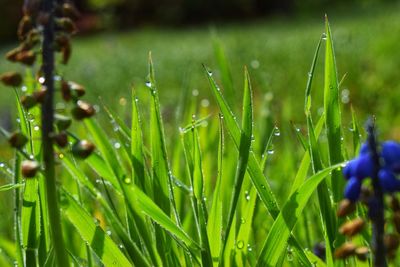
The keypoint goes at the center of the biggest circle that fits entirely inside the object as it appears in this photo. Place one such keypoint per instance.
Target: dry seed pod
(62, 122)
(362, 253)
(61, 139)
(39, 95)
(28, 101)
(365, 195)
(66, 24)
(25, 25)
(12, 54)
(65, 90)
(66, 54)
(61, 41)
(26, 57)
(17, 140)
(346, 207)
(346, 250)
(391, 242)
(82, 149)
(29, 168)
(82, 110)
(43, 18)
(11, 78)
(32, 39)
(352, 228)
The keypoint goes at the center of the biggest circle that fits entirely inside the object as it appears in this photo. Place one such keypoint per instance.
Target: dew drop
(242, 220)
(24, 88)
(277, 132)
(41, 80)
(247, 195)
(209, 72)
(2, 165)
(61, 156)
(127, 180)
(240, 244)
(117, 145)
(122, 101)
(36, 128)
(323, 36)
(108, 232)
(148, 84)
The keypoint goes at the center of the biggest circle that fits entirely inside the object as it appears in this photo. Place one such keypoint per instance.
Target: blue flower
(353, 189)
(391, 155)
(388, 181)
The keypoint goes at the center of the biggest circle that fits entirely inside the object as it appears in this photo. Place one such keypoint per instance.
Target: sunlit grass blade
(355, 129)
(137, 156)
(91, 232)
(244, 150)
(332, 114)
(279, 233)
(151, 209)
(256, 174)
(159, 160)
(17, 212)
(214, 223)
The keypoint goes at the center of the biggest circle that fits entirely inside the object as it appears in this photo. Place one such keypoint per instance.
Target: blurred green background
(275, 39)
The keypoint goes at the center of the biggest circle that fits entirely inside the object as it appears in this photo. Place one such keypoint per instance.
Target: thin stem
(376, 204)
(17, 215)
(47, 129)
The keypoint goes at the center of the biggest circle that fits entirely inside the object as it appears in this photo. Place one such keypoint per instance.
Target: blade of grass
(244, 150)
(279, 233)
(214, 224)
(332, 114)
(256, 174)
(91, 232)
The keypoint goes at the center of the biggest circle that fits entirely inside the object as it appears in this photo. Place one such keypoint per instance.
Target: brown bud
(26, 57)
(11, 78)
(25, 25)
(62, 122)
(28, 101)
(12, 54)
(70, 11)
(362, 253)
(61, 41)
(365, 195)
(394, 203)
(29, 168)
(39, 95)
(17, 140)
(65, 90)
(344, 251)
(346, 207)
(31, 40)
(82, 110)
(352, 228)
(77, 89)
(391, 242)
(66, 24)
(61, 139)
(82, 149)
(66, 54)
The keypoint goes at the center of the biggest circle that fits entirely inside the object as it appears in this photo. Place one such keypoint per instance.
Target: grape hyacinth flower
(380, 164)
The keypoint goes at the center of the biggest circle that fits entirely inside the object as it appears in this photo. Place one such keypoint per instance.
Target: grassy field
(278, 54)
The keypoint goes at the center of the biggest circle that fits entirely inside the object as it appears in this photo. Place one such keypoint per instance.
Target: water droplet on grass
(242, 220)
(277, 132)
(148, 84)
(36, 128)
(127, 180)
(240, 244)
(41, 80)
(117, 145)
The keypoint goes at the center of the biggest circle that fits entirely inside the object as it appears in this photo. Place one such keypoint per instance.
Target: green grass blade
(214, 224)
(332, 114)
(356, 132)
(91, 232)
(256, 174)
(150, 208)
(279, 233)
(159, 160)
(138, 169)
(244, 150)
(12, 186)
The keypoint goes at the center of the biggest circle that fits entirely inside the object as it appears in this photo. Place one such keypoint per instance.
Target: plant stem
(47, 129)
(376, 204)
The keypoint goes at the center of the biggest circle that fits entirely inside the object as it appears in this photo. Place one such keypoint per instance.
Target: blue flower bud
(364, 149)
(391, 155)
(364, 167)
(349, 169)
(388, 181)
(353, 189)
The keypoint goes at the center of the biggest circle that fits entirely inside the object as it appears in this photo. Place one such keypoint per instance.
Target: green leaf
(292, 210)
(332, 114)
(91, 232)
(7, 187)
